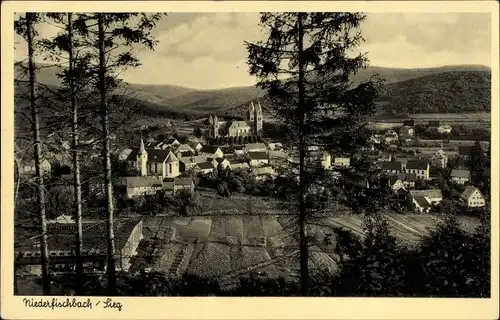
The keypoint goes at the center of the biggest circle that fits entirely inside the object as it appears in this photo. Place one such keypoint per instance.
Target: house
(390, 137)
(184, 148)
(255, 147)
(444, 128)
(222, 163)
(27, 167)
(123, 155)
(154, 162)
(391, 167)
(205, 167)
(239, 151)
(407, 180)
(139, 186)
(439, 159)
(262, 173)
(196, 146)
(460, 176)
(395, 183)
(275, 146)
(172, 143)
(464, 151)
(422, 201)
(473, 197)
(61, 243)
(342, 162)
(278, 158)
(211, 151)
(188, 163)
(183, 184)
(420, 168)
(236, 165)
(406, 133)
(258, 159)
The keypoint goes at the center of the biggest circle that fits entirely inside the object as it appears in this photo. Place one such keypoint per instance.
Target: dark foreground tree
(24, 26)
(305, 65)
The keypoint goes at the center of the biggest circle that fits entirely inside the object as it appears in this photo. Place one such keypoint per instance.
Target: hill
(453, 91)
(442, 89)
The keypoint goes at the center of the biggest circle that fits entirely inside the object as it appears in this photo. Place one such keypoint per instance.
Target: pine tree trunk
(76, 165)
(44, 252)
(111, 268)
(304, 255)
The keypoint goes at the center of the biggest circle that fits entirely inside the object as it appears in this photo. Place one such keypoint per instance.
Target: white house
(205, 167)
(255, 147)
(262, 173)
(420, 168)
(211, 151)
(422, 200)
(460, 176)
(444, 128)
(258, 159)
(473, 197)
(342, 162)
(439, 159)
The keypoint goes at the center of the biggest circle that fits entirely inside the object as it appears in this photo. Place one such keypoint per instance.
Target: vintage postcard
(169, 160)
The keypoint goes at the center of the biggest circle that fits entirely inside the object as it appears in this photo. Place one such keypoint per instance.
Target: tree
(73, 78)
(478, 161)
(197, 132)
(316, 101)
(24, 26)
(106, 33)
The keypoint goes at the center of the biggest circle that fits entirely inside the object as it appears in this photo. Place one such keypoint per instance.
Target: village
(156, 235)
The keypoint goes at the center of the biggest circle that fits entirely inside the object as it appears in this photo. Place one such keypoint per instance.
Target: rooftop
(456, 173)
(417, 165)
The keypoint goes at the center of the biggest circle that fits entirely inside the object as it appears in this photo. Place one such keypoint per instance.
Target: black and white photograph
(252, 154)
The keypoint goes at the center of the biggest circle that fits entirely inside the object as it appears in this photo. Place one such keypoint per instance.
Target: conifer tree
(305, 64)
(25, 26)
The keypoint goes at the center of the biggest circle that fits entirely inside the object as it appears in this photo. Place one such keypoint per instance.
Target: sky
(206, 50)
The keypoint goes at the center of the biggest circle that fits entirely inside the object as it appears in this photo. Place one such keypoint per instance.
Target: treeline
(449, 262)
(455, 92)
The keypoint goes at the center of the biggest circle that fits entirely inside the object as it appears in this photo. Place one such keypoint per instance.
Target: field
(230, 246)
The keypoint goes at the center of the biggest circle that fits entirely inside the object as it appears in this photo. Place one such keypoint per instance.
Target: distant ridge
(443, 89)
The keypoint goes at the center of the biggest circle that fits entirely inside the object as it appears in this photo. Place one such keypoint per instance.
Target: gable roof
(184, 147)
(469, 191)
(258, 155)
(251, 146)
(422, 202)
(417, 165)
(239, 125)
(137, 182)
(431, 193)
(205, 165)
(154, 155)
(457, 173)
(391, 165)
(278, 154)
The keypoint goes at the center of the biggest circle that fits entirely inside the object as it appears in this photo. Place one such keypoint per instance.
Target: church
(251, 127)
(154, 162)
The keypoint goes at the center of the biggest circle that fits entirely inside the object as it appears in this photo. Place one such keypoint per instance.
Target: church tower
(216, 127)
(258, 118)
(251, 112)
(142, 160)
(210, 126)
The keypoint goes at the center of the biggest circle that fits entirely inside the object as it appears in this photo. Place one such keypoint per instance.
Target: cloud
(206, 50)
